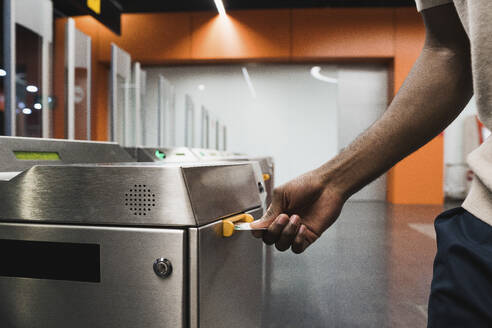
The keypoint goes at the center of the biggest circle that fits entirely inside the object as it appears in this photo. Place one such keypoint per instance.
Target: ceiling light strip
(220, 7)
(316, 73)
(248, 82)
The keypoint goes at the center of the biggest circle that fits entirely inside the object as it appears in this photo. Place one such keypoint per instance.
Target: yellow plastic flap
(228, 224)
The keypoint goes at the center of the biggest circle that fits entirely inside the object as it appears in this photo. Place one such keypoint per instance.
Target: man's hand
(301, 211)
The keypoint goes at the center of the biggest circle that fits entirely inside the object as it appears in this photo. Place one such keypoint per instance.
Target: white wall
(36, 15)
(293, 118)
(454, 159)
(362, 99)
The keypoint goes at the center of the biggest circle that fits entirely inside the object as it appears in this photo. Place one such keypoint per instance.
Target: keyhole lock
(163, 267)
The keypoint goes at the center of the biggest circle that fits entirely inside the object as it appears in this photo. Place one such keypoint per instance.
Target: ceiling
(132, 6)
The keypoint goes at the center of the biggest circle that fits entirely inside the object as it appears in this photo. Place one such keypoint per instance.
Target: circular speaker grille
(140, 200)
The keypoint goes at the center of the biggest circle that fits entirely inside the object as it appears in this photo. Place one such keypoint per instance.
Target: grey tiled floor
(370, 269)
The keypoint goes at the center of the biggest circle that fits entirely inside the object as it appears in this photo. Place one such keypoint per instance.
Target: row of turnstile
(92, 238)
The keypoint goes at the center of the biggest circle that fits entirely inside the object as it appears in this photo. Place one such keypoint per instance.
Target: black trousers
(461, 291)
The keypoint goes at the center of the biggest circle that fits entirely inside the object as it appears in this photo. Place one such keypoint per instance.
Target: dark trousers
(461, 291)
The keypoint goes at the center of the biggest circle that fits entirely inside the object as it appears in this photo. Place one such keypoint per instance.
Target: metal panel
(219, 191)
(193, 275)
(123, 195)
(229, 279)
(70, 152)
(130, 294)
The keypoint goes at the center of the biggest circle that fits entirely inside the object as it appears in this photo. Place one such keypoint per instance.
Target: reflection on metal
(189, 121)
(120, 94)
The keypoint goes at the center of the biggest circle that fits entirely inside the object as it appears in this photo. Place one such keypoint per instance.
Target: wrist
(332, 177)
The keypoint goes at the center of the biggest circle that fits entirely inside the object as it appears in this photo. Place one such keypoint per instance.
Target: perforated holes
(140, 200)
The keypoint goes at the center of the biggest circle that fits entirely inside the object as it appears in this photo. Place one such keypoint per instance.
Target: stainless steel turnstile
(125, 244)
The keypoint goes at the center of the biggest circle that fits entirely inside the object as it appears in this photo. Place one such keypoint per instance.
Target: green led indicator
(36, 156)
(159, 154)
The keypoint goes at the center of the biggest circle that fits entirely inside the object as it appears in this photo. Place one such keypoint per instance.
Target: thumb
(271, 214)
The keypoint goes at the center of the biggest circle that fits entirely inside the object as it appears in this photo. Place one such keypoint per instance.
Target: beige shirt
(476, 17)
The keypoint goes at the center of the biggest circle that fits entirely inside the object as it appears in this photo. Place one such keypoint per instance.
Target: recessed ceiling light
(32, 88)
(27, 111)
(316, 73)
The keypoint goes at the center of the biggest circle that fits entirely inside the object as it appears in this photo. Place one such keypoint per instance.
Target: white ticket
(245, 226)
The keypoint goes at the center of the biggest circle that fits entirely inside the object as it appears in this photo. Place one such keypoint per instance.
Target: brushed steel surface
(217, 191)
(97, 194)
(207, 155)
(71, 152)
(229, 279)
(130, 294)
(193, 274)
(137, 194)
(195, 271)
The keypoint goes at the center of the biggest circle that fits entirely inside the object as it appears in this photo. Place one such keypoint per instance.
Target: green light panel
(36, 156)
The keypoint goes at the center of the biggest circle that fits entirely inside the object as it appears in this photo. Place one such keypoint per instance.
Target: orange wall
(418, 178)
(299, 35)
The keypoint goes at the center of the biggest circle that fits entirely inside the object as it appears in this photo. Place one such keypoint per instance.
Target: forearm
(434, 93)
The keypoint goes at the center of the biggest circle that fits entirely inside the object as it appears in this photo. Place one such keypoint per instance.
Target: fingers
(300, 243)
(303, 239)
(272, 234)
(262, 223)
(257, 233)
(288, 233)
(271, 214)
